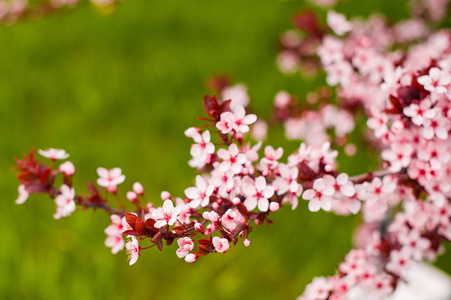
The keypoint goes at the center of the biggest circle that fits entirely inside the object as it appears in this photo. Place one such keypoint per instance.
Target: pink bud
(282, 99)
(274, 206)
(131, 196)
(112, 189)
(247, 243)
(328, 168)
(138, 188)
(190, 258)
(199, 227)
(206, 215)
(215, 206)
(165, 195)
(214, 217)
(67, 168)
(236, 201)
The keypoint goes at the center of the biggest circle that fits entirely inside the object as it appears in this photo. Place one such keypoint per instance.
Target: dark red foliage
(308, 22)
(213, 108)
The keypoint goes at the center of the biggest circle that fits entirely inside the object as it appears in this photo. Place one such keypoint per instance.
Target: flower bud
(67, 168)
(190, 258)
(132, 197)
(165, 195)
(274, 206)
(199, 227)
(247, 243)
(138, 188)
(112, 189)
(236, 201)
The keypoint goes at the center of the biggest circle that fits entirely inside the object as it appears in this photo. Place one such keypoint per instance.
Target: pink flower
(337, 22)
(190, 258)
(414, 243)
(65, 204)
(138, 188)
(23, 194)
(437, 81)
(54, 154)
(399, 262)
(236, 120)
(202, 150)
(166, 214)
(319, 196)
(420, 112)
(131, 196)
(220, 244)
(67, 168)
(287, 180)
(199, 195)
(258, 193)
(133, 249)
(114, 232)
(110, 178)
(232, 159)
(185, 246)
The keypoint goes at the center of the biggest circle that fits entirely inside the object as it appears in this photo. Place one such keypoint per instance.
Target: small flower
(190, 258)
(185, 246)
(258, 193)
(319, 196)
(437, 80)
(23, 195)
(54, 154)
(220, 244)
(338, 23)
(67, 168)
(166, 214)
(200, 195)
(65, 202)
(110, 178)
(133, 249)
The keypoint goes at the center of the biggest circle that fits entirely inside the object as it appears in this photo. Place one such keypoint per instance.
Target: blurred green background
(118, 90)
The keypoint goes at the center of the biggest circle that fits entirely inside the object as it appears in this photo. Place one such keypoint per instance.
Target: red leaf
(45, 176)
(140, 227)
(36, 188)
(131, 219)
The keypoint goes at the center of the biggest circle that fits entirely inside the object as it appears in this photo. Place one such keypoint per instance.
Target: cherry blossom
(54, 154)
(232, 159)
(65, 204)
(338, 23)
(199, 195)
(319, 196)
(166, 214)
(67, 168)
(185, 246)
(114, 232)
(110, 178)
(23, 194)
(437, 81)
(221, 244)
(133, 250)
(258, 193)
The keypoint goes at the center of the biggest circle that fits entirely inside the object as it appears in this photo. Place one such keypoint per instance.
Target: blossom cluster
(405, 94)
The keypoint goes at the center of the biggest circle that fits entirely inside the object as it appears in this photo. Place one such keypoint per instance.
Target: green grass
(118, 91)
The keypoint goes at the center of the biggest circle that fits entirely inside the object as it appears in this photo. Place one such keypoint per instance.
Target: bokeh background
(118, 89)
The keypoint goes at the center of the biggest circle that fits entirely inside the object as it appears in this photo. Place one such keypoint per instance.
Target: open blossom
(236, 120)
(202, 149)
(166, 214)
(287, 180)
(232, 159)
(114, 232)
(220, 244)
(338, 23)
(199, 195)
(437, 80)
(258, 193)
(23, 195)
(420, 112)
(133, 249)
(110, 178)
(65, 204)
(185, 246)
(54, 154)
(319, 196)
